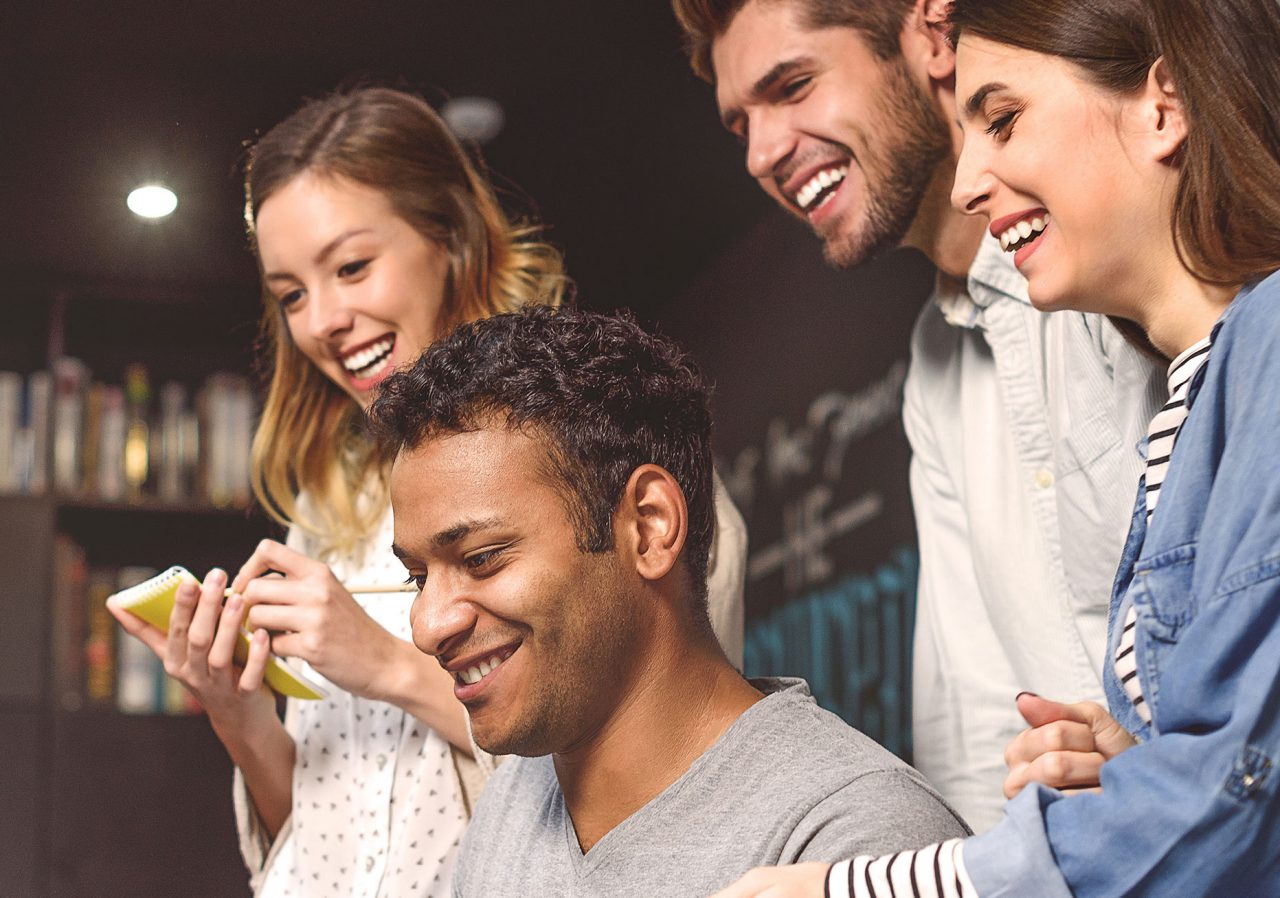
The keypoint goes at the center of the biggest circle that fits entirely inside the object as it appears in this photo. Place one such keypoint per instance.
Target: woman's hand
(312, 616)
(797, 881)
(199, 652)
(1065, 746)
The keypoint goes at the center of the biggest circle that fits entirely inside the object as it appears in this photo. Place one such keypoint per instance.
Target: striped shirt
(938, 871)
(1165, 427)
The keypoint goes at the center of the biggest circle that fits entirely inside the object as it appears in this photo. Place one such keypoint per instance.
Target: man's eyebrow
(764, 84)
(979, 96)
(325, 252)
(448, 537)
(458, 531)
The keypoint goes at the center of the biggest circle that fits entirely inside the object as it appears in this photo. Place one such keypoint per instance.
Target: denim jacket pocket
(1165, 605)
(1164, 591)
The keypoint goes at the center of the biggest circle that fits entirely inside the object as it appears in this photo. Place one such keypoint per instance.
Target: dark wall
(809, 364)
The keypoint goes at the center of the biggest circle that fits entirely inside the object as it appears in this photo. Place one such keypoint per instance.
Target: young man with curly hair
(552, 499)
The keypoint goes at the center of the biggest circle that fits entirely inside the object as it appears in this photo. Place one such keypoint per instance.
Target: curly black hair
(606, 396)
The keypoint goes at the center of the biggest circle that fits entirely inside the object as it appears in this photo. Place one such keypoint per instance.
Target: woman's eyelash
(1002, 123)
(352, 268)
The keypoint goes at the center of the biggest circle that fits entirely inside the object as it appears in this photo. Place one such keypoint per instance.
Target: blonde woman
(375, 234)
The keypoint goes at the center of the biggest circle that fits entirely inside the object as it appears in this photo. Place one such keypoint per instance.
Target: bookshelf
(79, 815)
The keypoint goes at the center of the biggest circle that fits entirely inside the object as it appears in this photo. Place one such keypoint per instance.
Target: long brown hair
(311, 438)
(1222, 56)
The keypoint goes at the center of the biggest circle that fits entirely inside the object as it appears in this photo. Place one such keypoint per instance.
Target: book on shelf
(12, 388)
(31, 440)
(70, 597)
(139, 685)
(101, 635)
(128, 443)
(70, 385)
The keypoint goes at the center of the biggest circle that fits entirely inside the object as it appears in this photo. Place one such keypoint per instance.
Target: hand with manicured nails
(199, 652)
(796, 881)
(199, 648)
(311, 616)
(1065, 746)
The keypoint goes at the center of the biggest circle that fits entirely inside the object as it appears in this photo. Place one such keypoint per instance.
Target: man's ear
(925, 33)
(654, 520)
(1165, 116)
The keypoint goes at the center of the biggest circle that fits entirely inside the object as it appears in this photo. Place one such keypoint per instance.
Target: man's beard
(908, 159)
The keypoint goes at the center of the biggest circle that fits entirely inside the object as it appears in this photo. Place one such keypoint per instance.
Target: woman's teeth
(820, 185)
(370, 360)
(1022, 233)
(478, 672)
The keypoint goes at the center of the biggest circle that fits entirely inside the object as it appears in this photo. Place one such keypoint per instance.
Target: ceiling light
(473, 118)
(152, 201)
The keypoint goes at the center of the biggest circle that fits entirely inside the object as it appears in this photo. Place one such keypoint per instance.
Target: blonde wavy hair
(311, 438)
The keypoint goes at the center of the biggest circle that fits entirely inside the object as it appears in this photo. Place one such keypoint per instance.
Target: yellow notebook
(152, 600)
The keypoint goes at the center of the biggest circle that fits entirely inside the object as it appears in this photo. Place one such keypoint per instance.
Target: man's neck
(679, 703)
(949, 238)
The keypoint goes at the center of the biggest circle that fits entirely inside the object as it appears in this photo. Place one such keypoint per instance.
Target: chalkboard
(808, 364)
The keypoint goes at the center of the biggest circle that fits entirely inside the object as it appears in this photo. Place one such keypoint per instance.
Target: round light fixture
(473, 118)
(152, 201)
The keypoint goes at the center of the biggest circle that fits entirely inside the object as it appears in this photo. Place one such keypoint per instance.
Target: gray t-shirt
(787, 782)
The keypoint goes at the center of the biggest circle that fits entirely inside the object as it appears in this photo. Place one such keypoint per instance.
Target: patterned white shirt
(377, 806)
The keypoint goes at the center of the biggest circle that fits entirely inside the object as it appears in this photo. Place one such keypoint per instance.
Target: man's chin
(506, 742)
(849, 247)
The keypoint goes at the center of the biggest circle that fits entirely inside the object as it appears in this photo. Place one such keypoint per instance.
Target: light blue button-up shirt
(1024, 427)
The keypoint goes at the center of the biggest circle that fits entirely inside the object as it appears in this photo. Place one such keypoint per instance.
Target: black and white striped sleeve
(936, 871)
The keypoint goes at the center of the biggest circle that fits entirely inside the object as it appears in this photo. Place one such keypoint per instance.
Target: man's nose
(442, 616)
(770, 141)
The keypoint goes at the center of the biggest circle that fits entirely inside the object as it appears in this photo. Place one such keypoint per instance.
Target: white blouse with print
(377, 806)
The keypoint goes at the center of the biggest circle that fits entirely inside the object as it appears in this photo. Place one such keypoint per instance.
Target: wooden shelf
(98, 802)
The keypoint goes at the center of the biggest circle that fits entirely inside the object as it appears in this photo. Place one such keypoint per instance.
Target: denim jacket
(1192, 810)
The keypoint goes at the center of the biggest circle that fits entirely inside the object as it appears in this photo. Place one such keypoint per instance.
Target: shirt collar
(992, 277)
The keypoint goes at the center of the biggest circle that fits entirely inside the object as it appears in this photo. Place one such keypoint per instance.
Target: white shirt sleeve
(962, 683)
(727, 574)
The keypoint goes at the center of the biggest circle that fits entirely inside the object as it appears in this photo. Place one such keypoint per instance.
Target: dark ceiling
(606, 129)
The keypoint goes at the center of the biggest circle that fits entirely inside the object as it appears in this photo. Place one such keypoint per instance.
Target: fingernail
(217, 575)
(235, 602)
(1025, 692)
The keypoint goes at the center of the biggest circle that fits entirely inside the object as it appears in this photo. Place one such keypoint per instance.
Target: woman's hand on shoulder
(311, 616)
(199, 651)
(1065, 746)
(807, 880)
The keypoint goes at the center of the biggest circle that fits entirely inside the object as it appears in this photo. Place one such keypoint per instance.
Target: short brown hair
(880, 22)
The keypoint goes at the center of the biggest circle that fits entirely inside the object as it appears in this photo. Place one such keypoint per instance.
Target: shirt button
(382, 761)
(1044, 478)
(368, 864)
